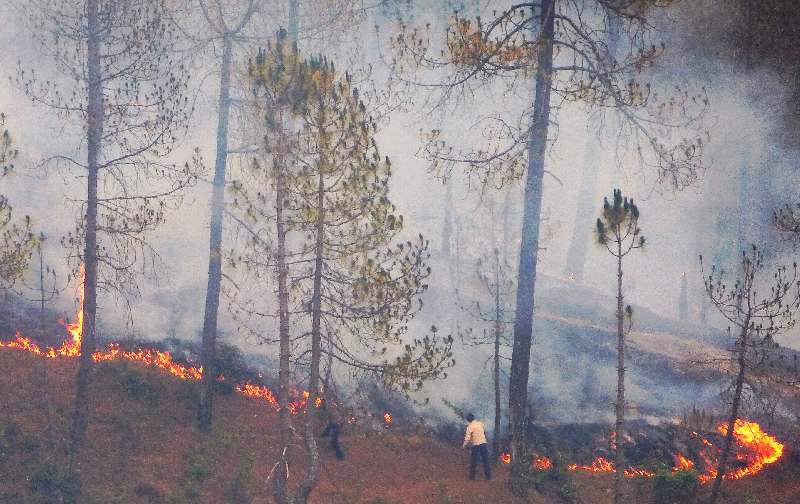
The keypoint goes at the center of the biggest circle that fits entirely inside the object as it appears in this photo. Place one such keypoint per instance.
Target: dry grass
(144, 448)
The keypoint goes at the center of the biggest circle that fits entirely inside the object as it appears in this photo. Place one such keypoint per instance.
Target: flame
(755, 448)
(147, 356)
(682, 463)
(599, 464)
(542, 463)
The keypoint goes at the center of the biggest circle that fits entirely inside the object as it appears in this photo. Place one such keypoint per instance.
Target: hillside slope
(143, 448)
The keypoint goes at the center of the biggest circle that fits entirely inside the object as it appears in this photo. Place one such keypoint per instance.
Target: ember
(387, 418)
(505, 457)
(542, 464)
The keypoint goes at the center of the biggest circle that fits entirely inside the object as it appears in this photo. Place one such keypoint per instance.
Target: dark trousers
(483, 452)
(332, 431)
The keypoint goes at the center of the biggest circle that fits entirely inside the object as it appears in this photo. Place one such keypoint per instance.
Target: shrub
(679, 487)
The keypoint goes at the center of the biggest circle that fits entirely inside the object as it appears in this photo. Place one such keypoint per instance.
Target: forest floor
(143, 448)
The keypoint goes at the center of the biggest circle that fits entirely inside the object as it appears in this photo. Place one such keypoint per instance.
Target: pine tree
(17, 241)
(518, 45)
(618, 230)
(122, 85)
(352, 291)
(758, 306)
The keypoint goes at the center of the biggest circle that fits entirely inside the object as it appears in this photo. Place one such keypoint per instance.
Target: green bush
(679, 487)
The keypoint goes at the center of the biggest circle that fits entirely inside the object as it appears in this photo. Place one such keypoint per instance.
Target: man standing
(475, 438)
(332, 431)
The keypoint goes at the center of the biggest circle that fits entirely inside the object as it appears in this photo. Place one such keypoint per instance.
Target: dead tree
(758, 306)
(618, 230)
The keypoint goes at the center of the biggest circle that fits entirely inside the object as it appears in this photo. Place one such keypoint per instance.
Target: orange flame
(682, 463)
(542, 464)
(755, 448)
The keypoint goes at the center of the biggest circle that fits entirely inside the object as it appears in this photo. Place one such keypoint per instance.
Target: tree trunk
(293, 29)
(316, 346)
(498, 331)
(529, 249)
(284, 374)
(737, 398)
(581, 233)
(683, 301)
(619, 426)
(447, 228)
(507, 209)
(208, 357)
(94, 126)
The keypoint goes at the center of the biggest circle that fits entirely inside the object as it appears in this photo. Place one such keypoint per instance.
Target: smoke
(750, 172)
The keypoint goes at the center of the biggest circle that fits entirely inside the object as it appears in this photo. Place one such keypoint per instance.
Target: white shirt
(475, 434)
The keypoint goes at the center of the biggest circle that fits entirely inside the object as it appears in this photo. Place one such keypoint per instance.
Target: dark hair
(470, 417)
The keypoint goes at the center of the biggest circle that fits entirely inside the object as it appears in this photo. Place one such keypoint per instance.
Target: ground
(143, 448)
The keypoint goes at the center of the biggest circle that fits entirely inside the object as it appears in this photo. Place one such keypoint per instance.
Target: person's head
(470, 417)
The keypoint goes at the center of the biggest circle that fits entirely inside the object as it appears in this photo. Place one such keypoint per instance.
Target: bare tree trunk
(737, 398)
(619, 426)
(215, 246)
(683, 301)
(579, 244)
(529, 249)
(498, 330)
(284, 374)
(94, 123)
(581, 233)
(507, 208)
(293, 29)
(447, 228)
(316, 346)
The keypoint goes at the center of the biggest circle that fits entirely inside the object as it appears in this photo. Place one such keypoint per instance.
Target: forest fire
(147, 356)
(755, 449)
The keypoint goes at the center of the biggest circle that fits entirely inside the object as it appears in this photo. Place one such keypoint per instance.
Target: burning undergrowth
(653, 448)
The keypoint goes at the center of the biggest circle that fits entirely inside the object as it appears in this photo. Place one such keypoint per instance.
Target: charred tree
(756, 318)
(618, 230)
